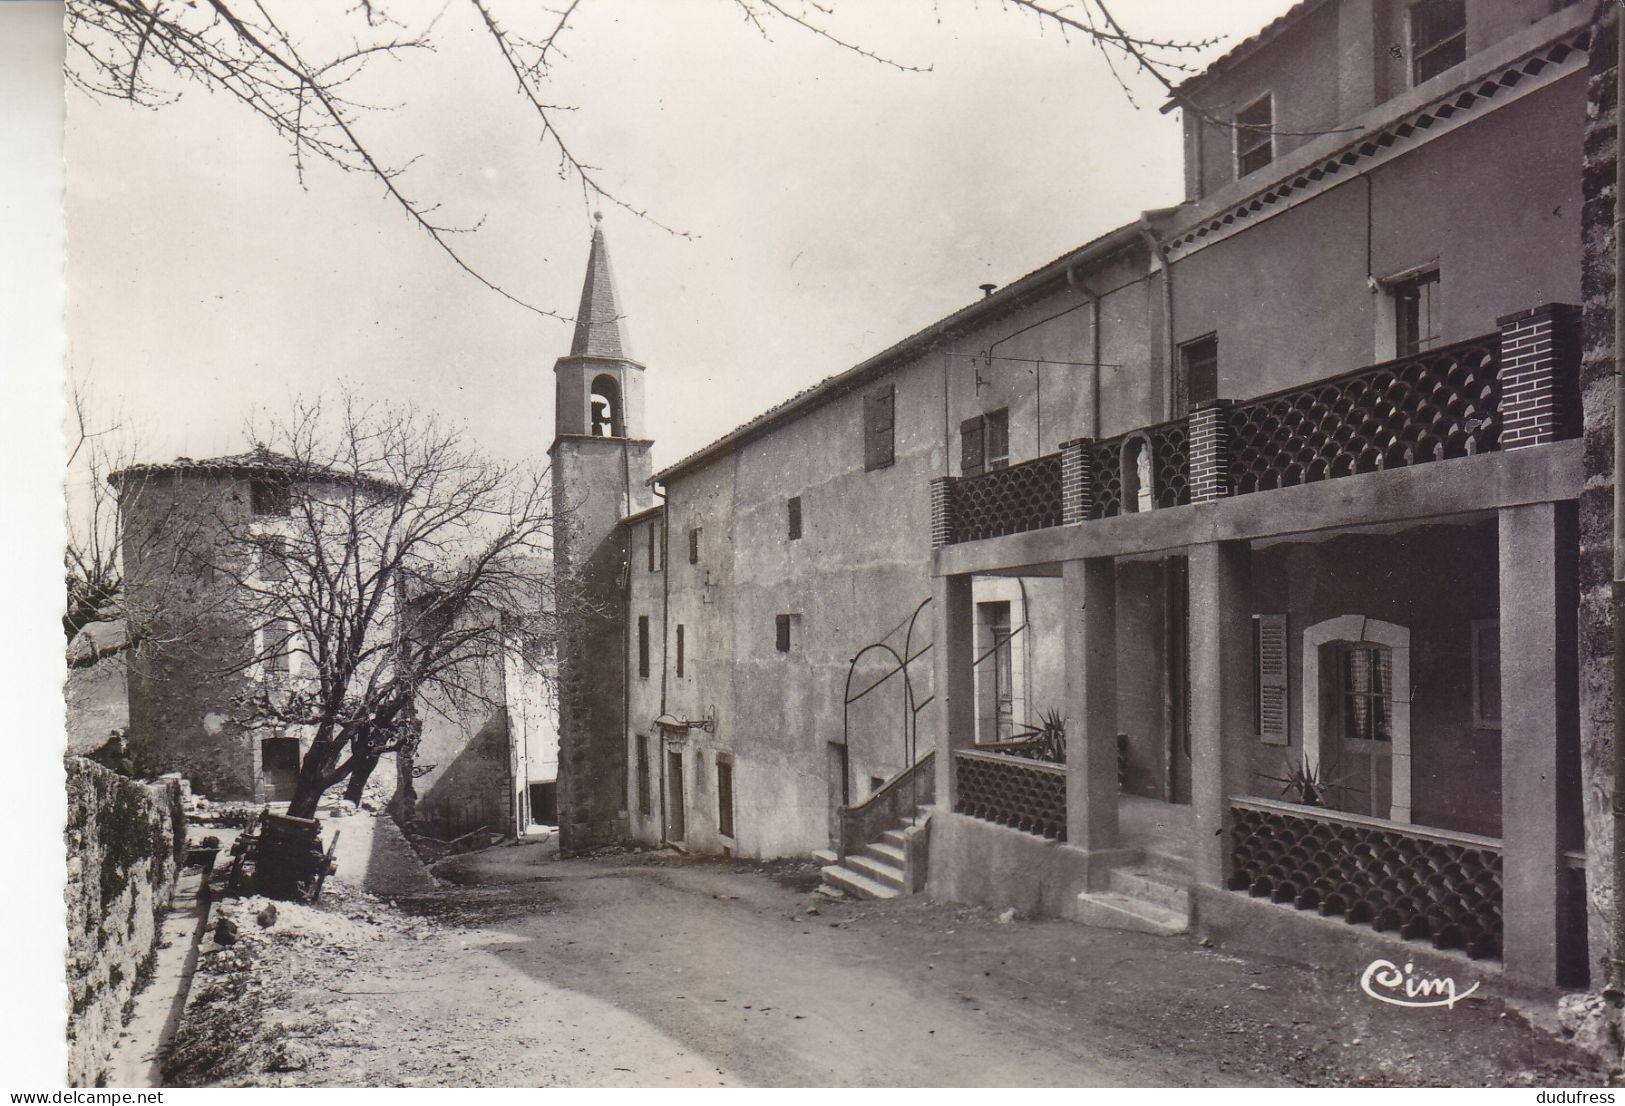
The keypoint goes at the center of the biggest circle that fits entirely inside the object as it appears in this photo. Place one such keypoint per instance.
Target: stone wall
(126, 841)
(1596, 499)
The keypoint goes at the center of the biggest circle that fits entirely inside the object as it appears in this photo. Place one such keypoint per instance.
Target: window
(725, 798)
(606, 408)
(643, 646)
(694, 546)
(643, 774)
(679, 648)
(1365, 692)
(1198, 373)
(984, 443)
(273, 559)
(1270, 678)
(784, 627)
(278, 651)
(677, 815)
(793, 507)
(1487, 674)
(1416, 312)
(879, 435)
(1255, 138)
(654, 547)
(270, 497)
(1438, 37)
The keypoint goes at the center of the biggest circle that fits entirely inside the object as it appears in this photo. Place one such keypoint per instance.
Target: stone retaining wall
(126, 842)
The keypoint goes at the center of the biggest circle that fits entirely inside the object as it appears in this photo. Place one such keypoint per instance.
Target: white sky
(838, 205)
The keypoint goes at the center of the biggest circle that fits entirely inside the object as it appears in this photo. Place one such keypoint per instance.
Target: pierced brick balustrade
(1028, 795)
(1423, 883)
(1434, 405)
(1006, 501)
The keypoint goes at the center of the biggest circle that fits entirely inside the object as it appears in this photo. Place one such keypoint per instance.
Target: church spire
(598, 321)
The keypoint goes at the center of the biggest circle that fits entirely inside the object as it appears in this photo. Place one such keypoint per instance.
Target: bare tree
(296, 68)
(373, 580)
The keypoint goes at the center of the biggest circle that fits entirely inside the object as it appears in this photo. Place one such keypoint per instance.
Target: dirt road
(655, 971)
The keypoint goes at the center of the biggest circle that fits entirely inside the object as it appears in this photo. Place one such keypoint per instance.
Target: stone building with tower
(600, 464)
(1270, 497)
(188, 533)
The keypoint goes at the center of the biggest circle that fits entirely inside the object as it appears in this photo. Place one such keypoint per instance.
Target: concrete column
(1221, 696)
(1539, 727)
(1090, 594)
(954, 683)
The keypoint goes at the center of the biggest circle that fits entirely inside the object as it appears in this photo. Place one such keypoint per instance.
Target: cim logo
(1387, 982)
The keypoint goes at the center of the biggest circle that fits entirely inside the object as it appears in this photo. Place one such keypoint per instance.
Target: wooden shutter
(878, 418)
(781, 629)
(996, 438)
(972, 447)
(1271, 652)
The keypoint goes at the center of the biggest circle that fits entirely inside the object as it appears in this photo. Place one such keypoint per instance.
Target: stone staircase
(877, 870)
(1151, 895)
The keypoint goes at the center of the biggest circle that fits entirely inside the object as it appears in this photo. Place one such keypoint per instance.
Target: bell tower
(601, 468)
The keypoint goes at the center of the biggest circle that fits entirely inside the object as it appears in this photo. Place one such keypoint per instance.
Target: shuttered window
(879, 434)
(1270, 678)
(680, 649)
(694, 546)
(793, 510)
(643, 646)
(984, 443)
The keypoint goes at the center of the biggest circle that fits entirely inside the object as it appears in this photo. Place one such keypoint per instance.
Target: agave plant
(1046, 738)
(1304, 781)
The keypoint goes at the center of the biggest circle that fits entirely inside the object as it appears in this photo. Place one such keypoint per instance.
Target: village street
(649, 969)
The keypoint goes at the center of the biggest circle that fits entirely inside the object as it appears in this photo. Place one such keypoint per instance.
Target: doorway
(279, 768)
(676, 812)
(544, 803)
(1179, 680)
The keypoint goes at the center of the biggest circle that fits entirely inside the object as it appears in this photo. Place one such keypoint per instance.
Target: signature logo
(1387, 982)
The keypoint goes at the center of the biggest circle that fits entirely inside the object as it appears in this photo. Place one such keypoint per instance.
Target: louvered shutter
(972, 454)
(1272, 679)
(878, 451)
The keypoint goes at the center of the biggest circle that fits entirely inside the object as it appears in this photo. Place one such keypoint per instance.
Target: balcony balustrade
(1514, 388)
(1423, 883)
(1024, 794)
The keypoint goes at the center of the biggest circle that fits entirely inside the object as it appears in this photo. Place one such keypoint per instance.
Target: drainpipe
(1155, 245)
(1616, 951)
(1077, 285)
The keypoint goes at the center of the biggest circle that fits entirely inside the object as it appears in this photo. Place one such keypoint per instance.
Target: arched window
(607, 418)
(1138, 492)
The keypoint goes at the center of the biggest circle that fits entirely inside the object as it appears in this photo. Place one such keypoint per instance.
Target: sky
(830, 206)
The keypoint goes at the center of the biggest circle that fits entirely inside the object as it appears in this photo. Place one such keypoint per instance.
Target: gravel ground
(657, 970)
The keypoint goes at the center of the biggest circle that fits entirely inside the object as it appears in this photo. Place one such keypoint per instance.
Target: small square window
(1438, 31)
(270, 497)
(784, 630)
(1255, 136)
(793, 507)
